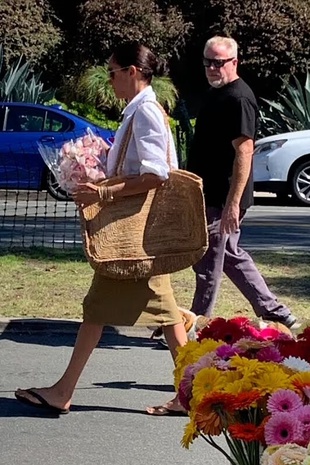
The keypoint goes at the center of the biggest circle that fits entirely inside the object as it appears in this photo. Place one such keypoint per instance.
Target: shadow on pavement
(134, 385)
(63, 333)
(11, 407)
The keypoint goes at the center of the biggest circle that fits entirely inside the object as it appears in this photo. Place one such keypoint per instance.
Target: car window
(57, 123)
(30, 119)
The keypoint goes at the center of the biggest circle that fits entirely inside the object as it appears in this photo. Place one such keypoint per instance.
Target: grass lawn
(43, 283)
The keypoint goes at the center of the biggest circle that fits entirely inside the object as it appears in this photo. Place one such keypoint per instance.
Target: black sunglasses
(217, 63)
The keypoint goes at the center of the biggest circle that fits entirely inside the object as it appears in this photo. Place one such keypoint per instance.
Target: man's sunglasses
(113, 71)
(217, 63)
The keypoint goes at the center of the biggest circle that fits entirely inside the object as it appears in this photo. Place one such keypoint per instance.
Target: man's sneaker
(289, 321)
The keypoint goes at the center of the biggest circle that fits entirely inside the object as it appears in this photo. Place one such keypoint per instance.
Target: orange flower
(211, 413)
(245, 400)
(244, 432)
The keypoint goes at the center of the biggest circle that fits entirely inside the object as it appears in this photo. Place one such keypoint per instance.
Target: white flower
(296, 363)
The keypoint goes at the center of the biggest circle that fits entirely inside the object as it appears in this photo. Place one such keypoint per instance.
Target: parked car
(23, 125)
(282, 165)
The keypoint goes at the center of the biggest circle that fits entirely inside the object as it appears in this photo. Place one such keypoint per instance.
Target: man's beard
(217, 83)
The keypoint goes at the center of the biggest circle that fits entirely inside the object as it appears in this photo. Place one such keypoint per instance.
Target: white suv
(281, 165)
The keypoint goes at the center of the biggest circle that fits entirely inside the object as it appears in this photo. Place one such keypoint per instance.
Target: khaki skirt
(128, 302)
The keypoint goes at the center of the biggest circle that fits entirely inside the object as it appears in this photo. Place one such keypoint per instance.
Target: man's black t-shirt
(228, 112)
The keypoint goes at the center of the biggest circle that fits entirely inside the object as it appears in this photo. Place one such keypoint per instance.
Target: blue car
(23, 126)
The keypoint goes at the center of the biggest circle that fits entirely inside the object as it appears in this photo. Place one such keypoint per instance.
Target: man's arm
(244, 148)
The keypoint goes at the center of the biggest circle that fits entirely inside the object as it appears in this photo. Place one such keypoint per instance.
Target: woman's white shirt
(148, 145)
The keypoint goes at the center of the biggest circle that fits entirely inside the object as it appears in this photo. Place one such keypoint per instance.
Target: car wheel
(54, 189)
(301, 183)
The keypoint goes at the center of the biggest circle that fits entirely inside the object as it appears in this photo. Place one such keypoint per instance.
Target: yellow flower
(208, 345)
(272, 380)
(185, 353)
(190, 433)
(244, 384)
(206, 381)
(247, 366)
(186, 356)
(302, 378)
(191, 353)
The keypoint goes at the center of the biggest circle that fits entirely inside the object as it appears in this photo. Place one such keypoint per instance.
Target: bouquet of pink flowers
(82, 160)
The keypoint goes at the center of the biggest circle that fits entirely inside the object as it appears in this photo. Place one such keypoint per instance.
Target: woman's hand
(86, 194)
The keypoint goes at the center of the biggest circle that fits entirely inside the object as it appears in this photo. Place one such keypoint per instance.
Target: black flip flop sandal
(43, 403)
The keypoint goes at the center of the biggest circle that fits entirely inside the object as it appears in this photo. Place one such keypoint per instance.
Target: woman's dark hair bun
(161, 67)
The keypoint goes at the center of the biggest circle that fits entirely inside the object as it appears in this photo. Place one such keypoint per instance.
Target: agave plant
(293, 107)
(19, 84)
(94, 87)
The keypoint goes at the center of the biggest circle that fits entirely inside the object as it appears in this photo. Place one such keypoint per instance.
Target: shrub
(28, 28)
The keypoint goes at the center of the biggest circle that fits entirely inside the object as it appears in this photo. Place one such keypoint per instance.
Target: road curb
(58, 326)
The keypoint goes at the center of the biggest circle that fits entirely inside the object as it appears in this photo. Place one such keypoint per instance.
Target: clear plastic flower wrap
(76, 161)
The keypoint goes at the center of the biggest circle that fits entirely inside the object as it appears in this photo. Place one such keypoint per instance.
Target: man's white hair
(228, 42)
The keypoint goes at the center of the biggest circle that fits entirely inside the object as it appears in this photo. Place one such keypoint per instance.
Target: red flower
(228, 331)
(305, 335)
(244, 400)
(293, 348)
(247, 432)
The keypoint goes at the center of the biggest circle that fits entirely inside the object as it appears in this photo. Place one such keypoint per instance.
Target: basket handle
(126, 138)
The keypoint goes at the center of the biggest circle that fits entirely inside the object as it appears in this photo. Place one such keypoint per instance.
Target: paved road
(46, 222)
(276, 228)
(107, 424)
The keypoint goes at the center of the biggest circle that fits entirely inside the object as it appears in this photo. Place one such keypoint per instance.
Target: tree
(27, 27)
(273, 36)
(104, 25)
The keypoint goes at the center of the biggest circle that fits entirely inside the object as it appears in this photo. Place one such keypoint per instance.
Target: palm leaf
(94, 87)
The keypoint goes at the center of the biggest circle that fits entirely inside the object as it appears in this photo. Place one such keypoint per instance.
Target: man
(221, 153)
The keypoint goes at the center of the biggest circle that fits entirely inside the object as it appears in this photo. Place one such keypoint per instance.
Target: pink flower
(185, 387)
(206, 361)
(304, 418)
(284, 400)
(226, 351)
(270, 333)
(283, 428)
(269, 354)
(87, 141)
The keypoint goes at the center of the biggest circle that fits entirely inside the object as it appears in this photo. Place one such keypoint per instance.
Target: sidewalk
(107, 424)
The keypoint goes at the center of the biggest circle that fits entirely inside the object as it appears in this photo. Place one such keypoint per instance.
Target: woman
(148, 302)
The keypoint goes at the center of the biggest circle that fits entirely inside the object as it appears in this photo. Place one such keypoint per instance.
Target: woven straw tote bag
(158, 232)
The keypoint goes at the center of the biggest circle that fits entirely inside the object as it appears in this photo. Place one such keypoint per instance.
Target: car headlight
(269, 146)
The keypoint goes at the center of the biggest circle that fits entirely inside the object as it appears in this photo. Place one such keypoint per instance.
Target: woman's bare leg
(60, 394)
(175, 336)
